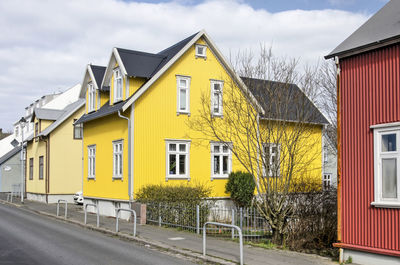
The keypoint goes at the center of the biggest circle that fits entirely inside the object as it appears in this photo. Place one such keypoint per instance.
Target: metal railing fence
(192, 217)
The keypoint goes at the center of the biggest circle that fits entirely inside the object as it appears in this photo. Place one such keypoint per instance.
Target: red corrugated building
(369, 140)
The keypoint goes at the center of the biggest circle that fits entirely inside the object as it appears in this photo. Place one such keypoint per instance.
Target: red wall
(370, 94)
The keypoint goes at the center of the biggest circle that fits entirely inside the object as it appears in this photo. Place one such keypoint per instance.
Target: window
(216, 97)
(78, 130)
(92, 97)
(91, 161)
(183, 84)
(98, 99)
(271, 161)
(40, 167)
(221, 160)
(31, 168)
(325, 154)
(126, 87)
(117, 85)
(117, 158)
(201, 51)
(386, 165)
(177, 158)
(326, 182)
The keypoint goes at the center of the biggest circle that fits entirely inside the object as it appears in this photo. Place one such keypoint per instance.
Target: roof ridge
(267, 80)
(97, 66)
(139, 52)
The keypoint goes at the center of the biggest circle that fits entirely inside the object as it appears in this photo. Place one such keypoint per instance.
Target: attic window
(117, 85)
(201, 51)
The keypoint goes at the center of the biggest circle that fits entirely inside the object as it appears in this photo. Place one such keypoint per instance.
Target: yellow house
(137, 122)
(54, 151)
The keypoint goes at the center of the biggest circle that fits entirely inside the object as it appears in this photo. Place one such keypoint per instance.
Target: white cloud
(45, 45)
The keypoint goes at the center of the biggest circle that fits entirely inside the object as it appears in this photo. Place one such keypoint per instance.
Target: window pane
(120, 164)
(200, 50)
(216, 148)
(182, 83)
(273, 149)
(172, 147)
(225, 165)
(216, 165)
(389, 178)
(93, 166)
(225, 149)
(182, 163)
(182, 147)
(217, 87)
(389, 142)
(182, 99)
(172, 164)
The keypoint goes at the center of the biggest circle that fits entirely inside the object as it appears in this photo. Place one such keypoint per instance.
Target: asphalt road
(26, 238)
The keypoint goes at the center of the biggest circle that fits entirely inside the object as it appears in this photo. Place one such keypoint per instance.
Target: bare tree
(270, 128)
(327, 99)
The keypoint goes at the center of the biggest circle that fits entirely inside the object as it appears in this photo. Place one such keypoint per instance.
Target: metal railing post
(97, 211)
(159, 214)
(241, 217)
(233, 223)
(134, 220)
(226, 225)
(65, 207)
(198, 219)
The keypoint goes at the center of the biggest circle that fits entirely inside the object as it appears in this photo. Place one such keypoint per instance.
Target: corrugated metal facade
(369, 94)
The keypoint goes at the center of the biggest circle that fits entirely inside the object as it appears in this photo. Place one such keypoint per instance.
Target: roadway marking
(176, 238)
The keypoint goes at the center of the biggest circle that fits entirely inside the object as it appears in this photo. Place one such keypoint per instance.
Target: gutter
(130, 193)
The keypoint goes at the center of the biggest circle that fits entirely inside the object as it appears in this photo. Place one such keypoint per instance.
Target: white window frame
(178, 91)
(118, 159)
(98, 98)
(270, 146)
(220, 101)
(326, 177)
(118, 94)
(91, 97)
(127, 87)
(220, 154)
(91, 161)
(177, 152)
(201, 55)
(380, 130)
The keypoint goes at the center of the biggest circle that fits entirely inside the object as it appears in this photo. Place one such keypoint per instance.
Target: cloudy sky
(45, 44)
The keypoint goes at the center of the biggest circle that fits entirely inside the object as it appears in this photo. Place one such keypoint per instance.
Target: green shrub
(241, 187)
(175, 205)
(177, 194)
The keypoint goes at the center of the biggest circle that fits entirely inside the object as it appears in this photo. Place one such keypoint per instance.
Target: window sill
(117, 178)
(386, 204)
(182, 113)
(91, 178)
(219, 177)
(177, 178)
(117, 100)
(198, 56)
(90, 111)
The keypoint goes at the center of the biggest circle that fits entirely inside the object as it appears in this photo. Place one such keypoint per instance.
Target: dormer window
(117, 85)
(91, 97)
(201, 51)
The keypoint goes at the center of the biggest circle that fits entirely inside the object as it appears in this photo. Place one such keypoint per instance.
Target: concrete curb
(142, 241)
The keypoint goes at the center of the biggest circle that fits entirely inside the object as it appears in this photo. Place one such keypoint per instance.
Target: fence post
(198, 219)
(233, 223)
(241, 218)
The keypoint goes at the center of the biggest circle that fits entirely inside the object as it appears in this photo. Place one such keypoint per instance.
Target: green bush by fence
(241, 187)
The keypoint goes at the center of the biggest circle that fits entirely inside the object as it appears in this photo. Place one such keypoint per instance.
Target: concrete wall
(365, 258)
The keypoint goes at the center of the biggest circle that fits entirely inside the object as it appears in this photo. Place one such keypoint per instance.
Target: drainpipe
(129, 157)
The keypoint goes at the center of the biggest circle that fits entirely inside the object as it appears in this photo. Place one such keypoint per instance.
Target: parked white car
(78, 197)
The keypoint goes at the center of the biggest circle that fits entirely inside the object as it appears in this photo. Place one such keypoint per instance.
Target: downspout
(339, 181)
(83, 160)
(129, 157)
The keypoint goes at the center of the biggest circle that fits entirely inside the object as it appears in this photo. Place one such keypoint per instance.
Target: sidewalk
(219, 251)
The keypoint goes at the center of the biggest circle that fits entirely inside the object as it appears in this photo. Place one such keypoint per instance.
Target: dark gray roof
(382, 27)
(10, 154)
(140, 64)
(143, 64)
(282, 101)
(105, 110)
(67, 112)
(47, 114)
(98, 72)
(105, 88)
